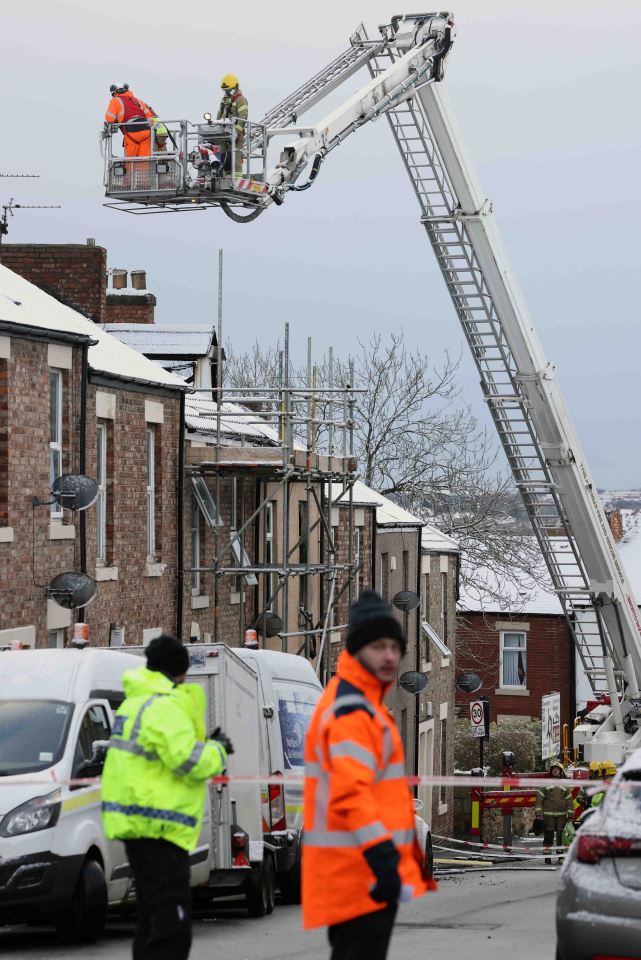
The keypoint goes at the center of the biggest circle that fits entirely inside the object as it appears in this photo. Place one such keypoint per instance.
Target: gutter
(26, 331)
(101, 378)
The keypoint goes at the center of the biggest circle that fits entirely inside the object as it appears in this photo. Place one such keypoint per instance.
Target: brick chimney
(74, 273)
(616, 523)
(126, 304)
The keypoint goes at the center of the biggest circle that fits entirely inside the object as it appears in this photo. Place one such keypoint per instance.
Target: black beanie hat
(371, 618)
(166, 655)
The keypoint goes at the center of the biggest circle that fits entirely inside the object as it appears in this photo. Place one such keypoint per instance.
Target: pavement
(481, 914)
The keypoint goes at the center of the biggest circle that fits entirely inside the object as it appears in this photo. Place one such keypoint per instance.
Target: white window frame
(206, 502)
(151, 493)
(101, 502)
(195, 545)
(432, 635)
(356, 589)
(56, 638)
(55, 445)
(268, 551)
(503, 648)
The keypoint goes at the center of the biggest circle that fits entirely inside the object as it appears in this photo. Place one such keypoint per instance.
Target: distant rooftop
(180, 341)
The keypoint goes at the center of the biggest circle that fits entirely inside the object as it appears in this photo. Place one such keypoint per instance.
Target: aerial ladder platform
(406, 63)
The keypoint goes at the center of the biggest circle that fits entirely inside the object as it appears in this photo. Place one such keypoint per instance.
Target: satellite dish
(268, 624)
(72, 590)
(468, 682)
(406, 600)
(413, 681)
(74, 491)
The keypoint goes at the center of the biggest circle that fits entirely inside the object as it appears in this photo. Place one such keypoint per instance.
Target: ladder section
(292, 107)
(503, 388)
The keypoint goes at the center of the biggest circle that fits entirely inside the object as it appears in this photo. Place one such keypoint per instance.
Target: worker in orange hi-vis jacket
(360, 854)
(133, 116)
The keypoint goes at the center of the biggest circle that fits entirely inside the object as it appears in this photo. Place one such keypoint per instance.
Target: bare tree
(418, 444)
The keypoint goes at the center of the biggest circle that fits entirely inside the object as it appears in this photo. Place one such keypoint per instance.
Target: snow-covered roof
(434, 540)
(524, 594)
(236, 422)
(388, 513)
(630, 552)
(165, 340)
(22, 302)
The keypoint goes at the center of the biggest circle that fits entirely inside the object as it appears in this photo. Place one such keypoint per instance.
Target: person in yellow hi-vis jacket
(154, 789)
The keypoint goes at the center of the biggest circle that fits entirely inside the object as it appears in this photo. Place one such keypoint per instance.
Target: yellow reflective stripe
(81, 800)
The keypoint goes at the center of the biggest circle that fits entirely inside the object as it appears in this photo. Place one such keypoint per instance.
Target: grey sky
(545, 95)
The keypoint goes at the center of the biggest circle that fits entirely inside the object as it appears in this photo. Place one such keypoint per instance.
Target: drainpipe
(180, 518)
(417, 705)
(84, 377)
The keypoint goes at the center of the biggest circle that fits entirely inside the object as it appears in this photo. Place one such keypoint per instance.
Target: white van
(290, 691)
(55, 863)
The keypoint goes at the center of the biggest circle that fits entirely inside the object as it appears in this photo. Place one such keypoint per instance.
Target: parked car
(424, 835)
(598, 910)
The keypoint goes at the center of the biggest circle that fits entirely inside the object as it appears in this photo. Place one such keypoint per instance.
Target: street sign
(550, 726)
(477, 718)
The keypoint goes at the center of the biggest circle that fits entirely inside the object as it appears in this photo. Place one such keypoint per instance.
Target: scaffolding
(298, 446)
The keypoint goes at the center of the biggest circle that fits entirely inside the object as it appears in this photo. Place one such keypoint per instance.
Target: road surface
(484, 915)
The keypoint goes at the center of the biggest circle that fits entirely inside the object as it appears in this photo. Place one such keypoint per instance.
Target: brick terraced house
(76, 400)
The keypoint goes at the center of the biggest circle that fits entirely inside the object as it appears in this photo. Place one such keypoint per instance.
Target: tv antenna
(8, 208)
(20, 176)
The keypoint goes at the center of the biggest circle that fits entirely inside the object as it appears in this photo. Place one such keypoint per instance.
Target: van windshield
(296, 702)
(33, 734)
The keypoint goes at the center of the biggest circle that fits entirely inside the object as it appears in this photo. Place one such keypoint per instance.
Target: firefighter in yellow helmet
(233, 106)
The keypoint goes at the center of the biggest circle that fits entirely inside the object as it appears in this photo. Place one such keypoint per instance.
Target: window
(94, 726)
(235, 582)
(195, 545)
(443, 788)
(356, 589)
(404, 729)
(429, 634)
(268, 553)
(425, 596)
(205, 501)
(151, 492)
(303, 557)
(513, 660)
(101, 502)
(444, 605)
(55, 432)
(385, 575)
(56, 639)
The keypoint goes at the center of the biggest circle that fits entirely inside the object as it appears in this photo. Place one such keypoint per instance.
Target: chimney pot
(119, 279)
(139, 279)
(91, 241)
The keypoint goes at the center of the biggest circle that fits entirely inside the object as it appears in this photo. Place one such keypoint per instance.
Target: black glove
(223, 740)
(383, 859)
(537, 826)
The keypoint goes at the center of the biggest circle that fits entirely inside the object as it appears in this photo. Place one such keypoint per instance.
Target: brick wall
(72, 273)
(30, 560)
(549, 664)
(616, 523)
(130, 308)
(135, 600)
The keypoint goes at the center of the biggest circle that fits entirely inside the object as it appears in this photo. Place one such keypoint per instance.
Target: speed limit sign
(477, 718)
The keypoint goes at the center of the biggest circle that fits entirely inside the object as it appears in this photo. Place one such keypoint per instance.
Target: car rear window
(622, 810)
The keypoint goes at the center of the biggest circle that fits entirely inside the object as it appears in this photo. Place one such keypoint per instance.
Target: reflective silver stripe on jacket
(130, 747)
(353, 750)
(346, 838)
(349, 700)
(313, 770)
(393, 771)
(403, 836)
(191, 760)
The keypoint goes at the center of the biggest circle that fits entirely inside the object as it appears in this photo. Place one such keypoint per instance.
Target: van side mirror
(93, 766)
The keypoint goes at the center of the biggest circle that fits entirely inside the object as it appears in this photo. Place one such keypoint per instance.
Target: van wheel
(261, 894)
(290, 882)
(85, 917)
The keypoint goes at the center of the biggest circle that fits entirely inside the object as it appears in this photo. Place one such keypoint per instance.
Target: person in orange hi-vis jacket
(132, 115)
(360, 852)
